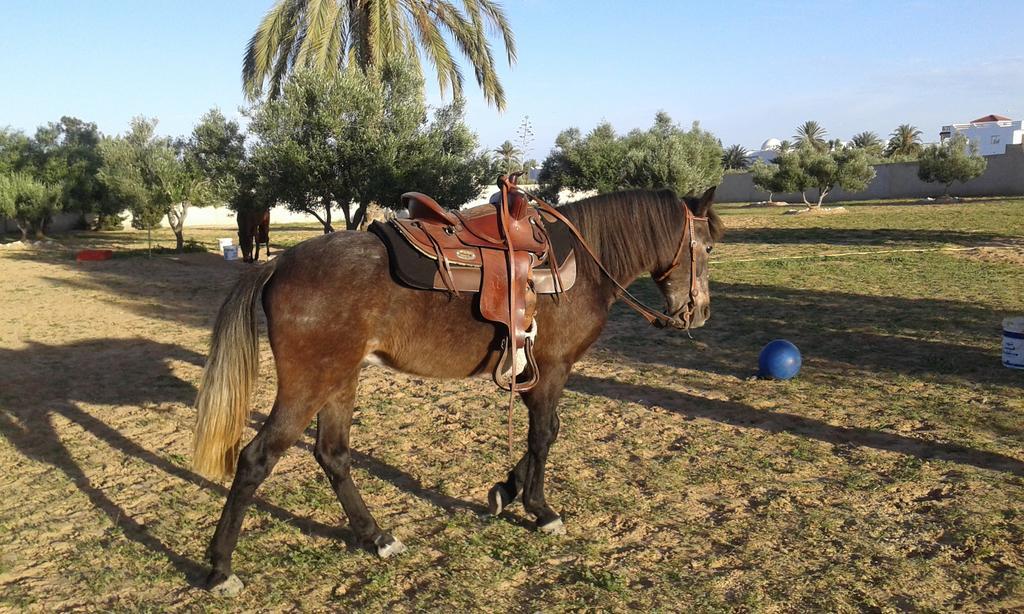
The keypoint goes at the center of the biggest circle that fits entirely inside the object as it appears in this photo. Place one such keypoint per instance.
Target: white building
(769, 150)
(991, 133)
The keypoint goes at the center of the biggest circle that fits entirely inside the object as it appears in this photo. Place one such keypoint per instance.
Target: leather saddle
(503, 253)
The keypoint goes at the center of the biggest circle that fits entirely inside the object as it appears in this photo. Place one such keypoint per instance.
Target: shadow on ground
(837, 332)
(740, 415)
(43, 382)
(877, 237)
(183, 288)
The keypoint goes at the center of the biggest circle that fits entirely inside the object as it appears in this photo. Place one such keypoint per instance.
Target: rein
(653, 317)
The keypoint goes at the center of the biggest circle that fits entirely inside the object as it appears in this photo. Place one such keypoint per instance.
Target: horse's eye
(709, 248)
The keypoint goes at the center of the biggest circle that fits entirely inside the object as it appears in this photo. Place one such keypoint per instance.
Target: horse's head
(682, 274)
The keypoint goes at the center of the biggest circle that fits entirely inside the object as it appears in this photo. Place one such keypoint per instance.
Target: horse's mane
(623, 227)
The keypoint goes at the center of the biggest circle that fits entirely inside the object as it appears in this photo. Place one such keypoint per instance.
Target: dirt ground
(888, 476)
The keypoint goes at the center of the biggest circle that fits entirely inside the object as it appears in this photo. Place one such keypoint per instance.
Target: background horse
(253, 225)
(332, 306)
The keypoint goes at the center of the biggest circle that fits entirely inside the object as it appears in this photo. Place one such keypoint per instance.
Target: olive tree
(807, 168)
(663, 156)
(148, 174)
(955, 159)
(28, 201)
(847, 169)
(216, 151)
(350, 140)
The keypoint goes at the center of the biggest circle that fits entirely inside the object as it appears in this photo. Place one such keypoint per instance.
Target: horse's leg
(287, 421)
(335, 456)
(256, 256)
(528, 475)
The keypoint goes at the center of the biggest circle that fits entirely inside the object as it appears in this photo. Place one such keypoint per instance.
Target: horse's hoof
(498, 498)
(229, 587)
(554, 527)
(388, 546)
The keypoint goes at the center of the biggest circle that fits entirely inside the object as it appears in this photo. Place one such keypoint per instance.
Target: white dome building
(769, 150)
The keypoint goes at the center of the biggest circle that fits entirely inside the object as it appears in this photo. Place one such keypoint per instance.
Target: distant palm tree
(866, 140)
(836, 145)
(905, 141)
(509, 156)
(332, 35)
(736, 158)
(811, 134)
(785, 146)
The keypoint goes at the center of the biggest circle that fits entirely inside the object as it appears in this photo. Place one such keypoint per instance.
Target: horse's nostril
(706, 311)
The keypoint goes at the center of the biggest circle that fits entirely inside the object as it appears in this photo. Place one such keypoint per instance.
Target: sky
(746, 70)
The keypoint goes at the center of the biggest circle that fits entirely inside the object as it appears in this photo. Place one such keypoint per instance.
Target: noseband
(687, 310)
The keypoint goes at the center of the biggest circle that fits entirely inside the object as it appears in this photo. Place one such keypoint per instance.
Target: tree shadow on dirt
(837, 333)
(740, 415)
(875, 237)
(183, 288)
(44, 382)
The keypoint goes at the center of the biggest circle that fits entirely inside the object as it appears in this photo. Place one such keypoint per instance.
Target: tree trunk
(325, 223)
(803, 195)
(176, 219)
(360, 216)
(348, 216)
(328, 228)
(822, 193)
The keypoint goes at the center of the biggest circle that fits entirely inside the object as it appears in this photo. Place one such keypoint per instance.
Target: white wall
(223, 217)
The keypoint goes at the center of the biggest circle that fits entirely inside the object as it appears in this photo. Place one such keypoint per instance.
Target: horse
(253, 225)
(333, 306)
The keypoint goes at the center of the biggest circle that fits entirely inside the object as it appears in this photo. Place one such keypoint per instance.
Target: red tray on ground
(94, 254)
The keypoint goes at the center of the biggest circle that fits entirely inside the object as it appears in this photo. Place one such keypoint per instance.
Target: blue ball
(780, 359)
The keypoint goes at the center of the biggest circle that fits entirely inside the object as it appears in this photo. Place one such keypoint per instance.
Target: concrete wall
(1004, 176)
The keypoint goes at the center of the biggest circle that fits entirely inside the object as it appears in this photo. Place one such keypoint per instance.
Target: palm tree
(509, 156)
(332, 35)
(785, 146)
(905, 141)
(736, 158)
(866, 140)
(810, 134)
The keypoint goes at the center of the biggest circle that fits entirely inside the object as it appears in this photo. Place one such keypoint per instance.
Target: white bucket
(222, 243)
(1013, 342)
(230, 252)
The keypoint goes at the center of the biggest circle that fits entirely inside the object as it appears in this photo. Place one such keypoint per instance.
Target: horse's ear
(705, 202)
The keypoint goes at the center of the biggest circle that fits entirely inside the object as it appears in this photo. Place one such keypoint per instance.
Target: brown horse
(253, 225)
(332, 306)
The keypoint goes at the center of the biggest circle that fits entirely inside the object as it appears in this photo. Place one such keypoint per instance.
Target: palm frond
(266, 44)
(328, 35)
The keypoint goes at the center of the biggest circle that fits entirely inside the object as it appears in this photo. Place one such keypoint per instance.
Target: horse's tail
(222, 405)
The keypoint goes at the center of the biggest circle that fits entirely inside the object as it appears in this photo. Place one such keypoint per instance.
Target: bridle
(691, 305)
(653, 317)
